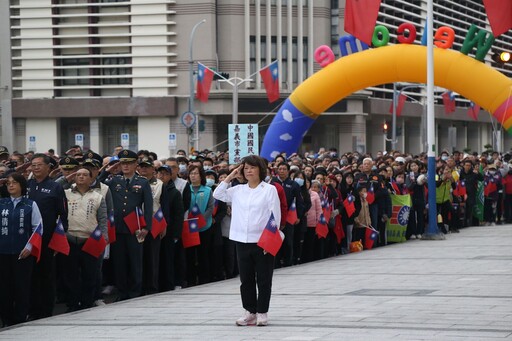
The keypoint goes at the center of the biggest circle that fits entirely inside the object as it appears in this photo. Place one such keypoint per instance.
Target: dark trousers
(127, 261)
(448, 213)
(490, 210)
(416, 219)
(469, 220)
(256, 269)
(507, 208)
(285, 254)
(180, 265)
(298, 240)
(15, 288)
(308, 247)
(150, 264)
(167, 273)
(43, 284)
(199, 260)
(80, 276)
(229, 257)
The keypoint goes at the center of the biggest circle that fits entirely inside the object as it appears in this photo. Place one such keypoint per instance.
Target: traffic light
(220, 75)
(385, 128)
(501, 57)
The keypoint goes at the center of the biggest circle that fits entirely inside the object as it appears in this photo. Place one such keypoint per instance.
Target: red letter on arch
(402, 39)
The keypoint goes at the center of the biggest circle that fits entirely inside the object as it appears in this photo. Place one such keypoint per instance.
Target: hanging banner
(396, 226)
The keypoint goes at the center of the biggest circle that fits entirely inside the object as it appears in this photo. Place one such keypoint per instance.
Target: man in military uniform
(130, 192)
(68, 166)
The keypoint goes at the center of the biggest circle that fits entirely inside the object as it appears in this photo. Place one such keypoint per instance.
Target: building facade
(102, 68)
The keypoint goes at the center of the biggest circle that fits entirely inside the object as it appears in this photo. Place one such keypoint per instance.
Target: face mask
(492, 172)
(210, 182)
(207, 168)
(444, 157)
(344, 162)
(299, 181)
(182, 167)
(267, 178)
(374, 168)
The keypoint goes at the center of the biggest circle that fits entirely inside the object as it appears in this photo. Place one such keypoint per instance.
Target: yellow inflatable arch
(398, 63)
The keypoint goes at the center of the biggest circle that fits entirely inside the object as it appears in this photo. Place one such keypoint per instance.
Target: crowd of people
(122, 198)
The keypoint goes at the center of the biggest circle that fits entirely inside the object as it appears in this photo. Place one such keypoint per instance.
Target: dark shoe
(455, 230)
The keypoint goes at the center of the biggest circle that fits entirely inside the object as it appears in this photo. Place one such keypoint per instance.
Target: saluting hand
(233, 174)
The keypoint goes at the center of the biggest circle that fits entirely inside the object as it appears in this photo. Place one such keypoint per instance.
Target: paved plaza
(453, 289)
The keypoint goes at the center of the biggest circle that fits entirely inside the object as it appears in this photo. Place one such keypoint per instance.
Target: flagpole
(432, 229)
(393, 124)
(191, 76)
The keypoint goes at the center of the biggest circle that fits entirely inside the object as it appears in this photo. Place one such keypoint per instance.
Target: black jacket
(173, 210)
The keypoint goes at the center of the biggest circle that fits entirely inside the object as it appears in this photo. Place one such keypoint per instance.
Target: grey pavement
(453, 289)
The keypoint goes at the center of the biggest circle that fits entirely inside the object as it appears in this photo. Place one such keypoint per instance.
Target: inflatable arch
(398, 63)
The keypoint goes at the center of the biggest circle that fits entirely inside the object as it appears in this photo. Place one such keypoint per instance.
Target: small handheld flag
(291, 217)
(95, 244)
(321, 228)
(190, 233)
(135, 220)
(36, 240)
(59, 241)
(195, 213)
(350, 208)
(111, 228)
(371, 236)
(159, 223)
(271, 238)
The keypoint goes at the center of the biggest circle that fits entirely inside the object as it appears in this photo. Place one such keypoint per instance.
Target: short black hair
(46, 158)
(19, 178)
(255, 161)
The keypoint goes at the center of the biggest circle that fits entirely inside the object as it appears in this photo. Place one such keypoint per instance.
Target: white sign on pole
(172, 141)
(32, 143)
(125, 140)
(243, 141)
(79, 140)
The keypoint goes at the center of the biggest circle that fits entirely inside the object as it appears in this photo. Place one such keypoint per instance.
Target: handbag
(356, 246)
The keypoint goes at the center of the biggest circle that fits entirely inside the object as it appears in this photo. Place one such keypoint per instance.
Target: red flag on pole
(190, 233)
(338, 229)
(135, 220)
(271, 239)
(321, 228)
(360, 18)
(291, 217)
(399, 105)
(95, 244)
(111, 228)
(370, 237)
(448, 102)
(370, 196)
(270, 77)
(350, 208)
(473, 111)
(59, 241)
(35, 241)
(204, 82)
(159, 223)
(499, 13)
(195, 213)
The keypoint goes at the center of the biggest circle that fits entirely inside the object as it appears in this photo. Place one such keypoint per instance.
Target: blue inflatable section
(285, 133)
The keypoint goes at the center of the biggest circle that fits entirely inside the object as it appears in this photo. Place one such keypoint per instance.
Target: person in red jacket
(507, 203)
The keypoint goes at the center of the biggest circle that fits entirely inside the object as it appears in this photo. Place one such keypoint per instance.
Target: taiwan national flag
(204, 82)
(35, 240)
(190, 233)
(370, 196)
(135, 220)
(215, 208)
(327, 210)
(111, 228)
(490, 186)
(338, 229)
(460, 189)
(271, 238)
(159, 223)
(321, 228)
(95, 244)
(291, 217)
(270, 76)
(400, 102)
(370, 237)
(360, 18)
(195, 213)
(59, 241)
(448, 102)
(473, 111)
(350, 208)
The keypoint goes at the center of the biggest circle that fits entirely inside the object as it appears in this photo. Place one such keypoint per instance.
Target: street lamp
(191, 79)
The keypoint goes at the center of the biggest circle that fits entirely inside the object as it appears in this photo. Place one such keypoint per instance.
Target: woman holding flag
(256, 213)
(20, 219)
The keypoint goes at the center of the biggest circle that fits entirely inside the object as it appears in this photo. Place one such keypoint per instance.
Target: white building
(106, 67)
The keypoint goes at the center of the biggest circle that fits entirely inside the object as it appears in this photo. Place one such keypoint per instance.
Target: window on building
(111, 74)
(75, 71)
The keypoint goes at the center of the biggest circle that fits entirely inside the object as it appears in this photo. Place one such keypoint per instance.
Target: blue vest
(201, 198)
(15, 225)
